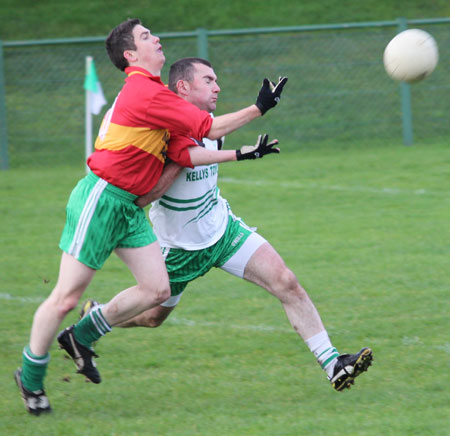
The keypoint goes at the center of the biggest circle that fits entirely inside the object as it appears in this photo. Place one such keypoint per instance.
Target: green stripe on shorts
(101, 217)
(184, 266)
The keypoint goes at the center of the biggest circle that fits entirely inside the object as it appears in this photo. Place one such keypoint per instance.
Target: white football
(411, 56)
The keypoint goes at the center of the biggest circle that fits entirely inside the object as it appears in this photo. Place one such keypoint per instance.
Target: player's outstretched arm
(202, 156)
(268, 97)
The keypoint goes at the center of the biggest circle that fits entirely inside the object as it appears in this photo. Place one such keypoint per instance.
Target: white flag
(93, 86)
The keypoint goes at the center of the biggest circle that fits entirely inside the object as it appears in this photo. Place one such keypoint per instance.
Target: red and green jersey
(133, 141)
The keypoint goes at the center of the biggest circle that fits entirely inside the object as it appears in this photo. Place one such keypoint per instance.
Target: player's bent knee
(152, 322)
(156, 296)
(65, 305)
(288, 286)
(288, 280)
(163, 295)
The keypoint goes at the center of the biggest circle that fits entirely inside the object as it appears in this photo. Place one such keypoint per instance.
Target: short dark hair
(121, 38)
(183, 69)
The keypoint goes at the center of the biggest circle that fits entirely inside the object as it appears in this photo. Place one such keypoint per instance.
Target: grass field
(53, 19)
(338, 91)
(364, 226)
(365, 230)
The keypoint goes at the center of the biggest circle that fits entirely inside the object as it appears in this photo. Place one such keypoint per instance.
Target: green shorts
(101, 217)
(184, 266)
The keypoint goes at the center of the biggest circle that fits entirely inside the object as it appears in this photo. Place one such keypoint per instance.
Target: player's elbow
(214, 133)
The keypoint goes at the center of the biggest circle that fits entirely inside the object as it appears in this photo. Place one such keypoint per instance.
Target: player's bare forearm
(170, 173)
(225, 124)
(203, 156)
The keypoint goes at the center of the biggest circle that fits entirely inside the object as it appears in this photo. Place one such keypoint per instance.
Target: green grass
(363, 225)
(56, 19)
(365, 230)
(338, 91)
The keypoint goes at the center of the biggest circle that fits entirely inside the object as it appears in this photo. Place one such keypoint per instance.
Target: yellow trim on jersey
(138, 72)
(119, 137)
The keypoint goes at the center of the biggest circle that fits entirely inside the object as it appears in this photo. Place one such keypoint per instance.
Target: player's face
(203, 90)
(148, 53)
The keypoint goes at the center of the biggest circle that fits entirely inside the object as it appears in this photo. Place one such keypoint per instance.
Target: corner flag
(95, 100)
(93, 86)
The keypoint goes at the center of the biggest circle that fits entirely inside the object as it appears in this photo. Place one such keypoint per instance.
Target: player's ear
(183, 87)
(129, 55)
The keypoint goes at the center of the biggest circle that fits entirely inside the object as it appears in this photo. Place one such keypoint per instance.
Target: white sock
(324, 352)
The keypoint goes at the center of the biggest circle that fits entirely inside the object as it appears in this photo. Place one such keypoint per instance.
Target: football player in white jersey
(197, 231)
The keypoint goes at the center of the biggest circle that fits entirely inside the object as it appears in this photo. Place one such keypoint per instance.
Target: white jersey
(191, 215)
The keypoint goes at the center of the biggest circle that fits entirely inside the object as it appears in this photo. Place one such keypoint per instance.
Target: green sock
(33, 369)
(91, 328)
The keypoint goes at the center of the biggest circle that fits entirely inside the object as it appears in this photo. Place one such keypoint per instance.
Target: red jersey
(133, 140)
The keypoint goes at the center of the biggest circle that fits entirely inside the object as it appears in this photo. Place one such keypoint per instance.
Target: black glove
(259, 150)
(269, 94)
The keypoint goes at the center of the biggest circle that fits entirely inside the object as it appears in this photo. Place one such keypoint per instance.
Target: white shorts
(235, 265)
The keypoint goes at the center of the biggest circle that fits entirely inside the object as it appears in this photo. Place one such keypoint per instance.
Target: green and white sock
(34, 369)
(324, 352)
(91, 328)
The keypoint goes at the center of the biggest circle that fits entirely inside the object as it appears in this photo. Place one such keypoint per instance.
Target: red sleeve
(180, 116)
(178, 150)
(146, 102)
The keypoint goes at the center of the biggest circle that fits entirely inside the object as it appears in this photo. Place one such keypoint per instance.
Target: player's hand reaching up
(260, 149)
(270, 94)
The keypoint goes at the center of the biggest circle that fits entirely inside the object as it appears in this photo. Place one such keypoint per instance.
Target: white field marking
(174, 320)
(445, 347)
(364, 189)
(4, 296)
(258, 328)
